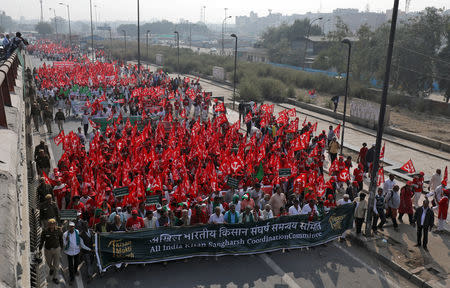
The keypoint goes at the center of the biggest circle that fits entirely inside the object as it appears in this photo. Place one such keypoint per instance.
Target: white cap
(71, 224)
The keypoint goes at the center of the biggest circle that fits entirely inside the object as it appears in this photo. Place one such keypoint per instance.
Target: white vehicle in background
(213, 51)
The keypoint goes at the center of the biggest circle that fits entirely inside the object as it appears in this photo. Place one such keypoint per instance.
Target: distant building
(251, 54)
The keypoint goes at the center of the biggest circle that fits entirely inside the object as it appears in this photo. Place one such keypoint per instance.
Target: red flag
(382, 151)
(248, 117)
(220, 107)
(221, 119)
(314, 127)
(93, 124)
(444, 182)
(380, 178)
(183, 114)
(408, 167)
(292, 112)
(344, 176)
(110, 117)
(293, 127)
(337, 132)
(282, 119)
(304, 122)
(334, 166)
(60, 138)
(48, 180)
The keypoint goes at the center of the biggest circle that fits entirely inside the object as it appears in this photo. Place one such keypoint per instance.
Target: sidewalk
(396, 249)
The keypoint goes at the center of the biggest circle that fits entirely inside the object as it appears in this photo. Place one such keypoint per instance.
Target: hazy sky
(175, 10)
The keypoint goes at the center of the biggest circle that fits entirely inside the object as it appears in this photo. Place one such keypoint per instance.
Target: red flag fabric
(293, 127)
(380, 178)
(93, 124)
(60, 138)
(445, 180)
(183, 114)
(292, 112)
(344, 176)
(337, 132)
(220, 107)
(382, 151)
(304, 122)
(282, 119)
(248, 117)
(408, 167)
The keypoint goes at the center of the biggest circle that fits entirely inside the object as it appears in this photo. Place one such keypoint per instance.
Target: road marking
(351, 255)
(277, 269)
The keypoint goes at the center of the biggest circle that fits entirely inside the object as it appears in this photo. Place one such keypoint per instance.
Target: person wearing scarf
(72, 248)
(247, 215)
(231, 216)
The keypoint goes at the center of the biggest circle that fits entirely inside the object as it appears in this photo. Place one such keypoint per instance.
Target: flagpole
(376, 162)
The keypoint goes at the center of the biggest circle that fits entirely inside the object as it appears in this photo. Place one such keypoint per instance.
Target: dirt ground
(421, 123)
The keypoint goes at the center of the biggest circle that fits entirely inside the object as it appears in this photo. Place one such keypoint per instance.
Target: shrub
(249, 91)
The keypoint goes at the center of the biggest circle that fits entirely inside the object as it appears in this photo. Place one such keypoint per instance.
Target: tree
(443, 67)
(286, 43)
(417, 45)
(334, 57)
(44, 28)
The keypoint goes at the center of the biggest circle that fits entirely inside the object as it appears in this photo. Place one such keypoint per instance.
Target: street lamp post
(223, 25)
(306, 40)
(111, 46)
(346, 41)
(376, 162)
(92, 31)
(178, 52)
(56, 26)
(125, 47)
(235, 65)
(139, 43)
(190, 35)
(70, 31)
(148, 31)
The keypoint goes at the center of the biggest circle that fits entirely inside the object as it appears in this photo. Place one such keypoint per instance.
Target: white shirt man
(435, 181)
(217, 217)
(295, 210)
(307, 210)
(344, 200)
(70, 242)
(437, 194)
(388, 185)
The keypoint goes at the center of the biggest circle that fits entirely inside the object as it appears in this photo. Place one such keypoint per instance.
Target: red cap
(134, 212)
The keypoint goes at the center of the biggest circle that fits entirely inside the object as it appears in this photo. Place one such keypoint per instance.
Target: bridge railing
(8, 74)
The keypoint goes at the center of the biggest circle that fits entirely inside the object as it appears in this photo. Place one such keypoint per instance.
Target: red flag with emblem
(334, 166)
(220, 107)
(292, 112)
(183, 114)
(337, 131)
(60, 138)
(293, 126)
(282, 119)
(408, 167)
(248, 117)
(344, 176)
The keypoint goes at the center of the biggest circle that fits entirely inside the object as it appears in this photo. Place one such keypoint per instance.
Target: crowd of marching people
(183, 163)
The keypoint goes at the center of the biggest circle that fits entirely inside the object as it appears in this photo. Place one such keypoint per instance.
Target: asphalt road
(330, 265)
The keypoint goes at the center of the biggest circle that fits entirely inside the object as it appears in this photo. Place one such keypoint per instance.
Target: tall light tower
(42, 12)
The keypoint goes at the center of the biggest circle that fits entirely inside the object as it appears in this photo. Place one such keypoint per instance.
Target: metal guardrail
(8, 74)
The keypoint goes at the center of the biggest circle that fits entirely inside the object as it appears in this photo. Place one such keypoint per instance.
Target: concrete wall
(14, 225)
